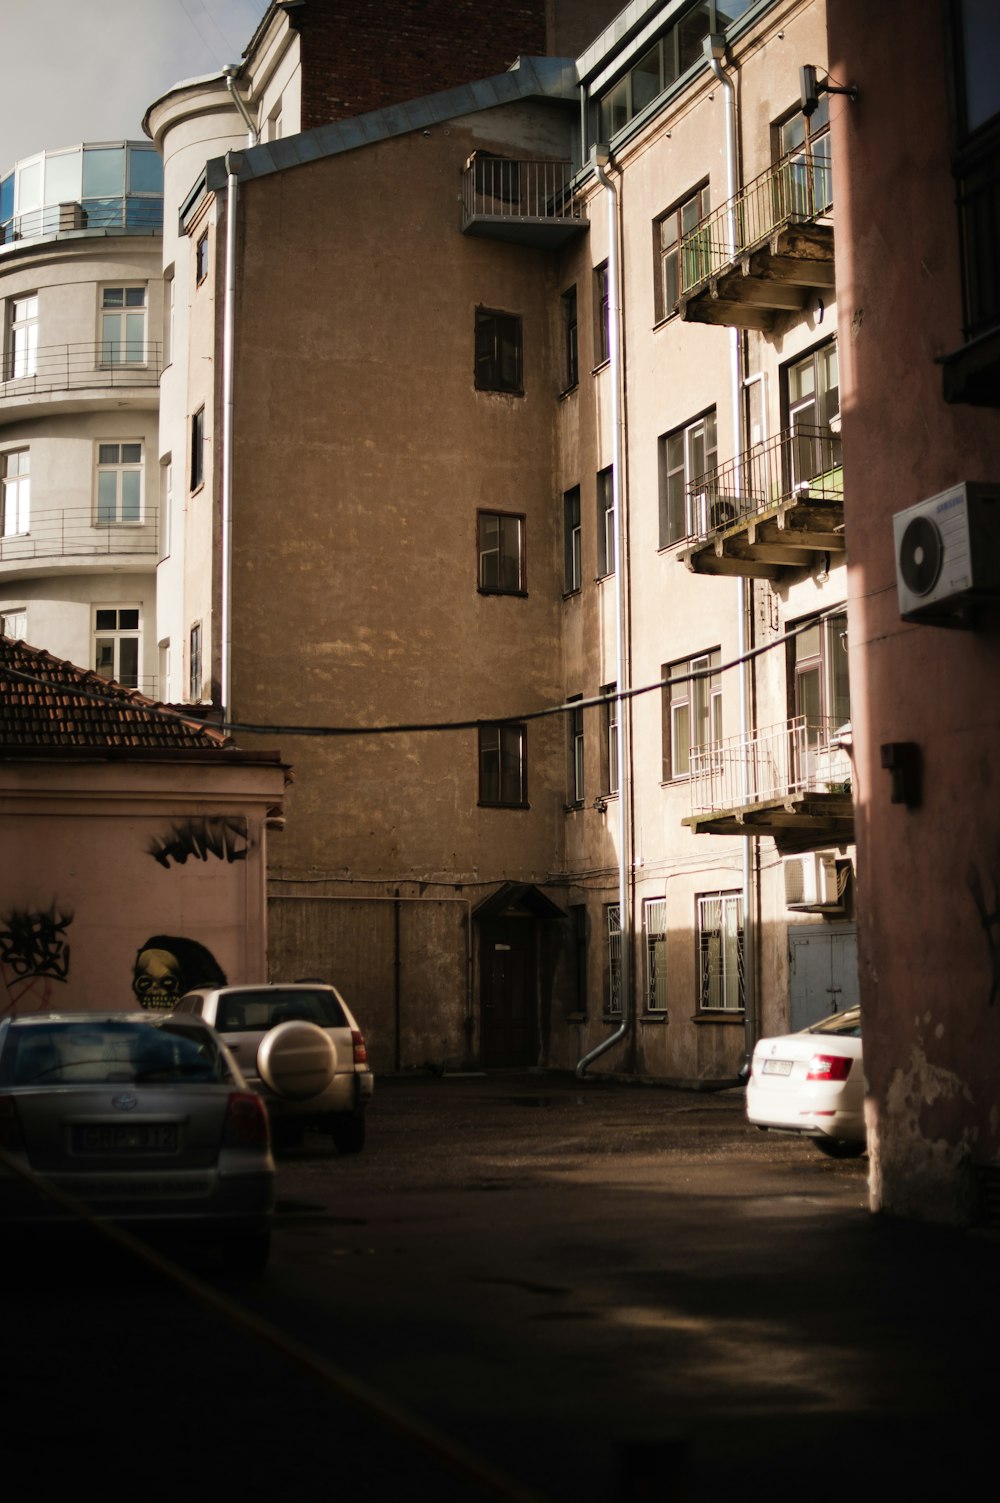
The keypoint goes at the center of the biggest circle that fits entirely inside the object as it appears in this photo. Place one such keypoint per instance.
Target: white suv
(299, 1047)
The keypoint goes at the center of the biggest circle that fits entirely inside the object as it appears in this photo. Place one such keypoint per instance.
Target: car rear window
(104, 1052)
(251, 1012)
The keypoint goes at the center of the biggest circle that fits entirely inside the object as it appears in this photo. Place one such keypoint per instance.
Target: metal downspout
(715, 51)
(601, 158)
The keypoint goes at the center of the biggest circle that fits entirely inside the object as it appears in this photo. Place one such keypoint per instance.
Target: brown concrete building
(477, 425)
(916, 169)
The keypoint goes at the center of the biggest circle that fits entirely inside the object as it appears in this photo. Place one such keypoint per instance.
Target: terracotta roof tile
(48, 703)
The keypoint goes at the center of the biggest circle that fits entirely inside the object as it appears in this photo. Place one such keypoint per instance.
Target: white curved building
(84, 506)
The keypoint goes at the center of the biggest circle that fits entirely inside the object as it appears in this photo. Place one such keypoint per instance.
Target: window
(575, 721)
(123, 326)
(571, 363)
(14, 624)
(805, 141)
(194, 664)
(609, 765)
(685, 454)
(119, 483)
(198, 449)
(16, 493)
(813, 394)
(501, 553)
(116, 644)
(692, 713)
(22, 348)
(578, 940)
(654, 915)
(503, 773)
(720, 952)
(498, 351)
(976, 161)
(612, 920)
(821, 689)
(201, 258)
(606, 522)
(668, 233)
(572, 572)
(602, 315)
(166, 503)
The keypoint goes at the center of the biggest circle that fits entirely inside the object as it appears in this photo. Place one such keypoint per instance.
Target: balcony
(764, 254)
(71, 536)
(774, 510)
(791, 781)
(64, 369)
(525, 203)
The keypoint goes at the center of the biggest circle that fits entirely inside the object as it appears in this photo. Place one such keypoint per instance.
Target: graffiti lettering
(197, 839)
(33, 953)
(990, 920)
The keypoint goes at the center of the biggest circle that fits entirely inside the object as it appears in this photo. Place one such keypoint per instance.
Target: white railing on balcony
(75, 532)
(803, 462)
(795, 190)
(797, 756)
(506, 189)
(79, 367)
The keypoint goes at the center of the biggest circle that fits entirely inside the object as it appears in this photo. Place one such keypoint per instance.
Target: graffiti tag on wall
(224, 837)
(34, 952)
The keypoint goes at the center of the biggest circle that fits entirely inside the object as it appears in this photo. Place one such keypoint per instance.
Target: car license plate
(125, 1137)
(777, 1067)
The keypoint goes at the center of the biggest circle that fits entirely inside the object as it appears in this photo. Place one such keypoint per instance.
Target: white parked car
(299, 1047)
(813, 1083)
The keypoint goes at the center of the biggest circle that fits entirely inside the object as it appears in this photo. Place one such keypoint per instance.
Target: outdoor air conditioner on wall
(948, 554)
(812, 884)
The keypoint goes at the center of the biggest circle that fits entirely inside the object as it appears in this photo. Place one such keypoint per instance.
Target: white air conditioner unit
(812, 884)
(948, 553)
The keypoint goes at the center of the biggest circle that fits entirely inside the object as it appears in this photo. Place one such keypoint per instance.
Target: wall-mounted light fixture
(902, 760)
(811, 88)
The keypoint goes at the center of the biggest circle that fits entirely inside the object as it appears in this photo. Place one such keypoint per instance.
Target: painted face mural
(167, 966)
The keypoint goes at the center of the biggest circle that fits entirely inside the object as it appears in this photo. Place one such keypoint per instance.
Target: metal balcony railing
(124, 212)
(79, 367)
(505, 189)
(75, 532)
(803, 462)
(795, 190)
(797, 756)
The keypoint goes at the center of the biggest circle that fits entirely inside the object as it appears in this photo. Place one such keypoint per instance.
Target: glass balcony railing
(114, 188)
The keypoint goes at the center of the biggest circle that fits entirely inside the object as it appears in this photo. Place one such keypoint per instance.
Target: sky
(86, 70)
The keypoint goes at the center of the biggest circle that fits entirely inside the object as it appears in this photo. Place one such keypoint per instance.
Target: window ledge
(501, 391)
(572, 594)
(517, 594)
(661, 323)
(597, 369)
(568, 391)
(654, 1017)
(574, 807)
(600, 578)
(483, 805)
(734, 1016)
(576, 1017)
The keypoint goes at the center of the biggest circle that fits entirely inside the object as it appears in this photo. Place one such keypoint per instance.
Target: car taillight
(246, 1122)
(10, 1123)
(360, 1047)
(829, 1067)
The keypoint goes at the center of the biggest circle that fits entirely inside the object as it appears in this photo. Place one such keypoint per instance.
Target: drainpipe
(715, 52)
(228, 331)
(602, 159)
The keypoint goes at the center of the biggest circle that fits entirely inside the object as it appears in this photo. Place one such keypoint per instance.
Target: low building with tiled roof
(133, 840)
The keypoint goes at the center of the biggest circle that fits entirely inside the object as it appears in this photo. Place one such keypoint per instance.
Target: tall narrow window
(14, 624)
(201, 258)
(16, 493)
(198, 449)
(498, 351)
(503, 771)
(678, 265)
(116, 644)
(822, 691)
(123, 325)
(119, 483)
(655, 926)
(813, 394)
(575, 722)
(612, 919)
(572, 564)
(692, 714)
(501, 553)
(571, 364)
(685, 455)
(606, 522)
(720, 952)
(804, 140)
(610, 760)
(602, 315)
(194, 664)
(23, 338)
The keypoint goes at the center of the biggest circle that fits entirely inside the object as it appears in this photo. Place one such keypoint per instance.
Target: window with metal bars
(720, 952)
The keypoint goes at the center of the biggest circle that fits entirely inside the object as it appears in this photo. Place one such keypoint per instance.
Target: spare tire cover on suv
(297, 1060)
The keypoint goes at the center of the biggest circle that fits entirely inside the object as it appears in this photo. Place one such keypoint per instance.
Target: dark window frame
(572, 542)
(571, 339)
(607, 522)
(675, 222)
(673, 508)
(602, 316)
(197, 449)
(577, 753)
(503, 584)
(499, 352)
(506, 789)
